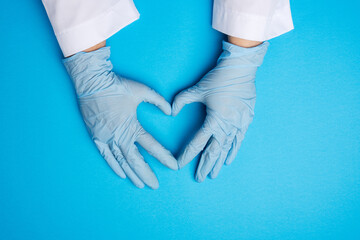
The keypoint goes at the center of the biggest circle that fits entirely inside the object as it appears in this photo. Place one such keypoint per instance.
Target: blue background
(297, 175)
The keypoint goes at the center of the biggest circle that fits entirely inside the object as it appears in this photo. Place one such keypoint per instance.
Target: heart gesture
(108, 105)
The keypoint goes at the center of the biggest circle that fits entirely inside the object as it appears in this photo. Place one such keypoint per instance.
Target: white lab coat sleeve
(81, 24)
(256, 20)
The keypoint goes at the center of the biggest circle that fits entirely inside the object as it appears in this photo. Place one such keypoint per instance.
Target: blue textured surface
(297, 175)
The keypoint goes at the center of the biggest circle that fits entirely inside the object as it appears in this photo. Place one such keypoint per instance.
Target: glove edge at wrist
(90, 71)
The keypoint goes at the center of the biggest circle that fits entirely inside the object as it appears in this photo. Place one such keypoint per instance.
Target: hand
(228, 91)
(108, 105)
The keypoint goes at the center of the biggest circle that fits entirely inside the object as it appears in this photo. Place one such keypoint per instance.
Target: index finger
(155, 149)
(196, 145)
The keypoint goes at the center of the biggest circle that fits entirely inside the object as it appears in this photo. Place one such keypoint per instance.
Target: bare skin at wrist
(96, 47)
(234, 40)
(243, 42)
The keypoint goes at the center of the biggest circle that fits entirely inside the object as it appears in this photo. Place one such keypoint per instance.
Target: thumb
(187, 96)
(151, 96)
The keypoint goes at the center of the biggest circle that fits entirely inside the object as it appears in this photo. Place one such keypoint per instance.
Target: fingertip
(199, 178)
(170, 162)
(179, 166)
(151, 180)
(154, 185)
(120, 172)
(167, 109)
(177, 105)
(185, 157)
(173, 164)
(174, 110)
(213, 175)
(229, 160)
(121, 175)
(181, 163)
(156, 99)
(140, 185)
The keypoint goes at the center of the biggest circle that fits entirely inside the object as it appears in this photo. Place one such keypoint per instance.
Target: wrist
(90, 71)
(96, 47)
(243, 42)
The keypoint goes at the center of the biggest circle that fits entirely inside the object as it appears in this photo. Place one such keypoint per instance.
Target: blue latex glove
(228, 91)
(108, 105)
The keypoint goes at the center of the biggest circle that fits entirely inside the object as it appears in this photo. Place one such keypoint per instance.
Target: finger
(155, 149)
(234, 147)
(185, 97)
(208, 159)
(110, 159)
(224, 152)
(125, 166)
(196, 145)
(151, 96)
(140, 167)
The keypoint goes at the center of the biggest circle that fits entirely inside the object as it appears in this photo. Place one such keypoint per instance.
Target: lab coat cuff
(251, 26)
(98, 29)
